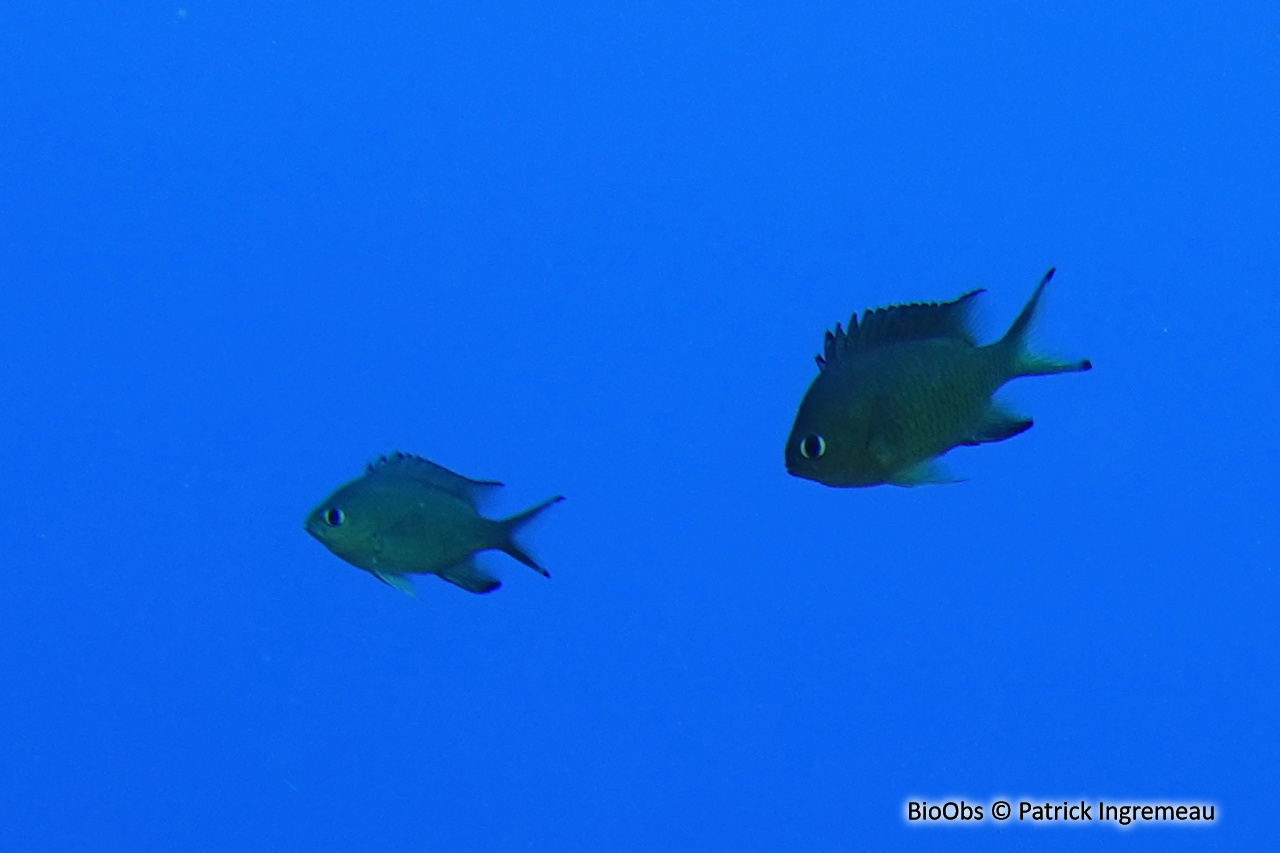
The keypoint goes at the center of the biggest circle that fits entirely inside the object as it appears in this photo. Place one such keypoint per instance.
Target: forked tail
(511, 526)
(1023, 363)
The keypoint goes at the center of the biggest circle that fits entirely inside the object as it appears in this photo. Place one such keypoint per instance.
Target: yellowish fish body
(902, 387)
(409, 516)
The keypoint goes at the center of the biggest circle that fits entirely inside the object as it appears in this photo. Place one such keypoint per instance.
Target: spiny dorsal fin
(914, 322)
(425, 471)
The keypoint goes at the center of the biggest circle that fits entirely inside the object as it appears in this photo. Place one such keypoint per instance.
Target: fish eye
(334, 517)
(813, 446)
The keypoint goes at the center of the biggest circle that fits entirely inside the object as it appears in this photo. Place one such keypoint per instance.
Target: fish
(906, 384)
(409, 516)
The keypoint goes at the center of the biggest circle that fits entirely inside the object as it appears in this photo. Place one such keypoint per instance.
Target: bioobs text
(950, 810)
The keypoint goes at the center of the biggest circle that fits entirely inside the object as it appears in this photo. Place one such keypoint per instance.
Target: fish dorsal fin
(914, 322)
(427, 472)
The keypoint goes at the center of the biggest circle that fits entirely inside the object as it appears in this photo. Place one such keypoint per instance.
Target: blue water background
(591, 249)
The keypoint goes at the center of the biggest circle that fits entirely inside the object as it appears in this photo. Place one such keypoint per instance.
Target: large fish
(408, 516)
(905, 385)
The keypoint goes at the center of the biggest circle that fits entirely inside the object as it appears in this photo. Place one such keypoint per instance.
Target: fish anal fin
(470, 577)
(997, 425)
(404, 583)
(927, 472)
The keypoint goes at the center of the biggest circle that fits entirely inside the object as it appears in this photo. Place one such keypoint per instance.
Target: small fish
(904, 386)
(408, 516)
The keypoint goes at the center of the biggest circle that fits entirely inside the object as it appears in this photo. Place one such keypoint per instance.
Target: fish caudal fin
(511, 526)
(1023, 363)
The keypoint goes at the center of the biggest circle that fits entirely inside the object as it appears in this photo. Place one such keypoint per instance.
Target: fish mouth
(793, 468)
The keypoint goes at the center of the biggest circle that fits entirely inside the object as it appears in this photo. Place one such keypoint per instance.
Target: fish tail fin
(511, 526)
(1014, 343)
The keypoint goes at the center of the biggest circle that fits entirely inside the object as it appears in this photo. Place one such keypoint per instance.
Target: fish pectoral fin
(470, 577)
(881, 452)
(997, 425)
(401, 582)
(928, 472)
